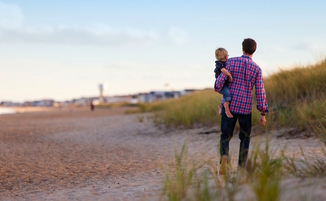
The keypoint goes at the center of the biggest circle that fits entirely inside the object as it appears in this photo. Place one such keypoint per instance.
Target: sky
(64, 49)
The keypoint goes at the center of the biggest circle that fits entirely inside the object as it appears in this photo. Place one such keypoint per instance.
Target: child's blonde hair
(221, 54)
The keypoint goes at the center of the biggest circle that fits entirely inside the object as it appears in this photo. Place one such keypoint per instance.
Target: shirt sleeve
(220, 80)
(219, 83)
(260, 93)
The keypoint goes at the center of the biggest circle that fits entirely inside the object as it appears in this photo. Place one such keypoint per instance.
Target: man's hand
(230, 78)
(262, 120)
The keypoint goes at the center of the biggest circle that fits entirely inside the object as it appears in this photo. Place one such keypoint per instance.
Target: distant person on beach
(92, 106)
(246, 74)
(221, 56)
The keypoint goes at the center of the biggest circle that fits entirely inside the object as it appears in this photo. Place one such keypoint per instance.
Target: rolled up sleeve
(219, 83)
(260, 93)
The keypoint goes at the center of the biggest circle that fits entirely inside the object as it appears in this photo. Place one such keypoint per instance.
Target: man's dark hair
(249, 46)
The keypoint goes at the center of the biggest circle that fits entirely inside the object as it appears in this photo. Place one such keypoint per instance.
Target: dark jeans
(227, 127)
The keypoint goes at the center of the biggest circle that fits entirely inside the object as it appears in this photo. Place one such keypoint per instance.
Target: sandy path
(101, 155)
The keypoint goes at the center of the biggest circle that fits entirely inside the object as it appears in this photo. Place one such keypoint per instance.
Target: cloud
(96, 34)
(14, 30)
(311, 45)
(303, 46)
(11, 16)
(178, 36)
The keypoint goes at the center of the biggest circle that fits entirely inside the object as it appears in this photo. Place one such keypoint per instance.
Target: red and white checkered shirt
(246, 74)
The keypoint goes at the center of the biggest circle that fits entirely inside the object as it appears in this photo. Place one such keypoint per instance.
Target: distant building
(28, 103)
(173, 94)
(157, 96)
(188, 91)
(134, 99)
(43, 103)
(144, 98)
(119, 99)
(10, 104)
(147, 97)
(82, 101)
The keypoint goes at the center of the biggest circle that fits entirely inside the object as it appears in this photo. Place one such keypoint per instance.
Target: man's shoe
(224, 165)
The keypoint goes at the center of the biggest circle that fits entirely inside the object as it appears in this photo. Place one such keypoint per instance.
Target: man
(246, 74)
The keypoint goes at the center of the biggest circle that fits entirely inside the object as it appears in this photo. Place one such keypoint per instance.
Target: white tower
(102, 87)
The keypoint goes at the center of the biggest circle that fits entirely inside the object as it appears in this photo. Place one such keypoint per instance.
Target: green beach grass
(296, 98)
(261, 179)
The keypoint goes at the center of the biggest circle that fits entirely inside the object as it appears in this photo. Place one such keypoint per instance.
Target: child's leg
(227, 109)
(227, 100)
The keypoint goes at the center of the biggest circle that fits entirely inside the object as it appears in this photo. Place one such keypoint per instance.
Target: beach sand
(102, 155)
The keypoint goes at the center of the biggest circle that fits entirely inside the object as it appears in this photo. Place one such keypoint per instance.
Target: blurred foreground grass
(262, 179)
(265, 178)
(296, 98)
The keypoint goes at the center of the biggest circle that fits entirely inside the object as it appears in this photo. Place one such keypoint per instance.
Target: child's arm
(227, 73)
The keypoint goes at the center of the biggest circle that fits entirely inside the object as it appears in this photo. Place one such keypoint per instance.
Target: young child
(221, 56)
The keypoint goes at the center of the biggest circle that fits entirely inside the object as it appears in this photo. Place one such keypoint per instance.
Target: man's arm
(262, 105)
(219, 83)
(227, 73)
(261, 97)
(220, 80)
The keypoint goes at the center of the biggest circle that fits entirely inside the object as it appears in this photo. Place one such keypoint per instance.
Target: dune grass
(261, 179)
(115, 105)
(296, 98)
(187, 111)
(149, 107)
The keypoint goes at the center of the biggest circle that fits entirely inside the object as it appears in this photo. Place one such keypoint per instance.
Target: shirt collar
(246, 56)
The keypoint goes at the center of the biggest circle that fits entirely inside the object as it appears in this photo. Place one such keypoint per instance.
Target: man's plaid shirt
(246, 74)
